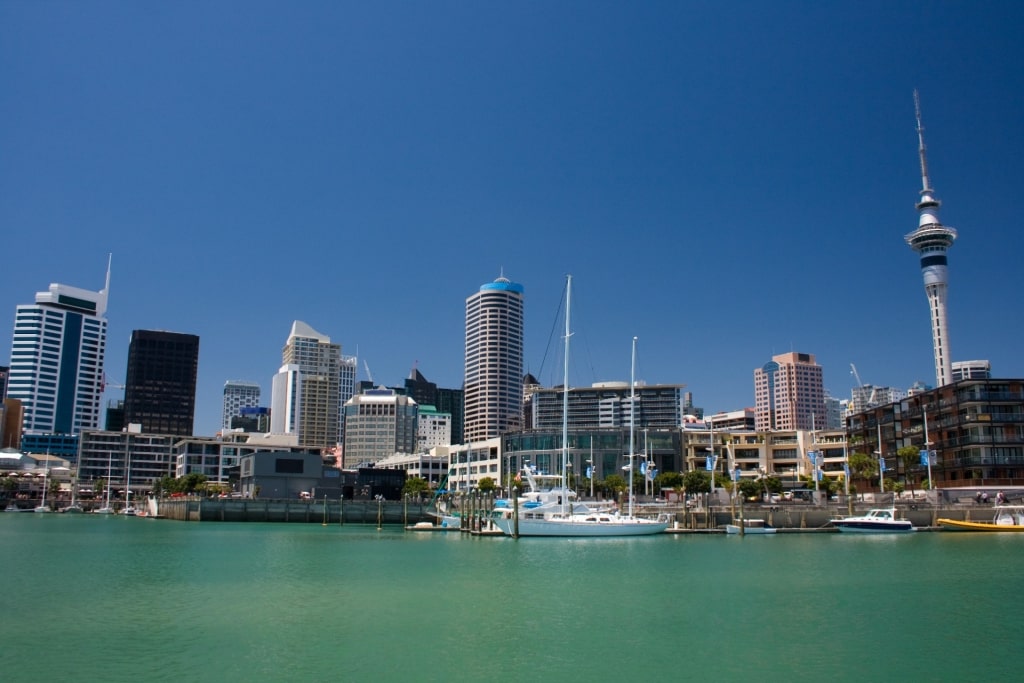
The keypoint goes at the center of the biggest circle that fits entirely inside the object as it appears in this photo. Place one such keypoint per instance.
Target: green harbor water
(90, 598)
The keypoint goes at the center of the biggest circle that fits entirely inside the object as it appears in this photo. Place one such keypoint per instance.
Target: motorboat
(749, 526)
(1006, 518)
(877, 521)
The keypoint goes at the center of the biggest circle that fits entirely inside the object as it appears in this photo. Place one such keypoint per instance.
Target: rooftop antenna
(925, 183)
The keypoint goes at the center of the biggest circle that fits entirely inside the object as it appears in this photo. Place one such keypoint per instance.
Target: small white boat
(878, 521)
(750, 526)
(105, 510)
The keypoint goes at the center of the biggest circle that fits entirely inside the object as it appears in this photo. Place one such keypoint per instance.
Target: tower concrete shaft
(931, 240)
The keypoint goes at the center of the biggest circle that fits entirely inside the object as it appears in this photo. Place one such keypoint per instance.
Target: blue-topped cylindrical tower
(931, 240)
(493, 401)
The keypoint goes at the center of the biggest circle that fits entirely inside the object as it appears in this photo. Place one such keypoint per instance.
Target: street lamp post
(928, 450)
(881, 460)
(590, 472)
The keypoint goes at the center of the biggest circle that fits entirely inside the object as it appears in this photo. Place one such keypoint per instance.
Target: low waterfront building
(469, 463)
(304, 476)
(429, 466)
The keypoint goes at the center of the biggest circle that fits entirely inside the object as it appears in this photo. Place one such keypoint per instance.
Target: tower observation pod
(931, 240)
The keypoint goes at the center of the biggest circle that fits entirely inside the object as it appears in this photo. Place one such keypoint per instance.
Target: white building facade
(238, 394)
(57, 359)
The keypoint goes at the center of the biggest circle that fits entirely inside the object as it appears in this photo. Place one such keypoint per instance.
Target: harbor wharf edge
(794, 517)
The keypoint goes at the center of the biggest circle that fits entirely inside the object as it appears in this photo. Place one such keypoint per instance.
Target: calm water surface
(89, 598)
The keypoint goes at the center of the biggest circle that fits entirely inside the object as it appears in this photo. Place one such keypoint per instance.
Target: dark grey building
(160, 385)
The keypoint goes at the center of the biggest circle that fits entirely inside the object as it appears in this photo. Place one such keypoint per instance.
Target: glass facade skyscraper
(160, 384)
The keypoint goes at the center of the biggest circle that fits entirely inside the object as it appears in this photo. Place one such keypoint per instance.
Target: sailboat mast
(565, 391)
(632, 421)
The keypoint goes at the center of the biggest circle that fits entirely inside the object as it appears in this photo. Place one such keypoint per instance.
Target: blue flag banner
(924, 458)
(881, 464)
(846, 470)
(652, 472)
(643, 467)
(590, 472)
(707, 464)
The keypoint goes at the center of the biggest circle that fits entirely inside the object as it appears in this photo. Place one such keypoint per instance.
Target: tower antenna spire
(931, 241)
(925, 183)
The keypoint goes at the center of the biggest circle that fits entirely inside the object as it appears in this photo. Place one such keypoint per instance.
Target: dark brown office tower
(160, 385)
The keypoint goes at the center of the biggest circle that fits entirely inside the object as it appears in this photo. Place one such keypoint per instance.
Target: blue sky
(724, 180)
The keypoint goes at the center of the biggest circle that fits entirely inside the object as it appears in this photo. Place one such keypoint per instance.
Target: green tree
(863, 466)
(750, 488)
(415, 486)
(614, 484)
(9, 484)
(772, 483)
(697, 481)
(486, 484)
(909, 456)
(668, 480)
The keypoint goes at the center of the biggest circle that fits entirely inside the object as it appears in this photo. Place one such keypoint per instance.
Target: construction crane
(861, 385)
(105, 383)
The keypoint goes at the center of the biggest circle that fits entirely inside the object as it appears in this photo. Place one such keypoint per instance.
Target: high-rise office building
(238, 394)
(307, 389)
(494, 360)
(931, 240)
(160, 383)
(789, 393)
(378, 424)
(57, 357)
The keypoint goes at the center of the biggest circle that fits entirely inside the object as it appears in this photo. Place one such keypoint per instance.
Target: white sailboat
(43, 507)
(553, 512)
(129, 509)
(106, 509)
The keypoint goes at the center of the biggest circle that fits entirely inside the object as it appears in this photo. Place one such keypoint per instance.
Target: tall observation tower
(931, 240)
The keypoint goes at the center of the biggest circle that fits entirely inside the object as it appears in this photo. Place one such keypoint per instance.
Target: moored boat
(750, 526)
(553, 510)
(878, 521)
(1007, 518)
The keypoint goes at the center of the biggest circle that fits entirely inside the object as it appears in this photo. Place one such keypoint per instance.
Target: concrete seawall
(299, 511)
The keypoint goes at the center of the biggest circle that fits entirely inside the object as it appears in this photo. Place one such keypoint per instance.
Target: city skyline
(723, 198)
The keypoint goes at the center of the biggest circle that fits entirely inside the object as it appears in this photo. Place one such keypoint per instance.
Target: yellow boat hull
(957, 525)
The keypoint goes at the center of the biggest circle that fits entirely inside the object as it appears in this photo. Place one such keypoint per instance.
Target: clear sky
(724, 180)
